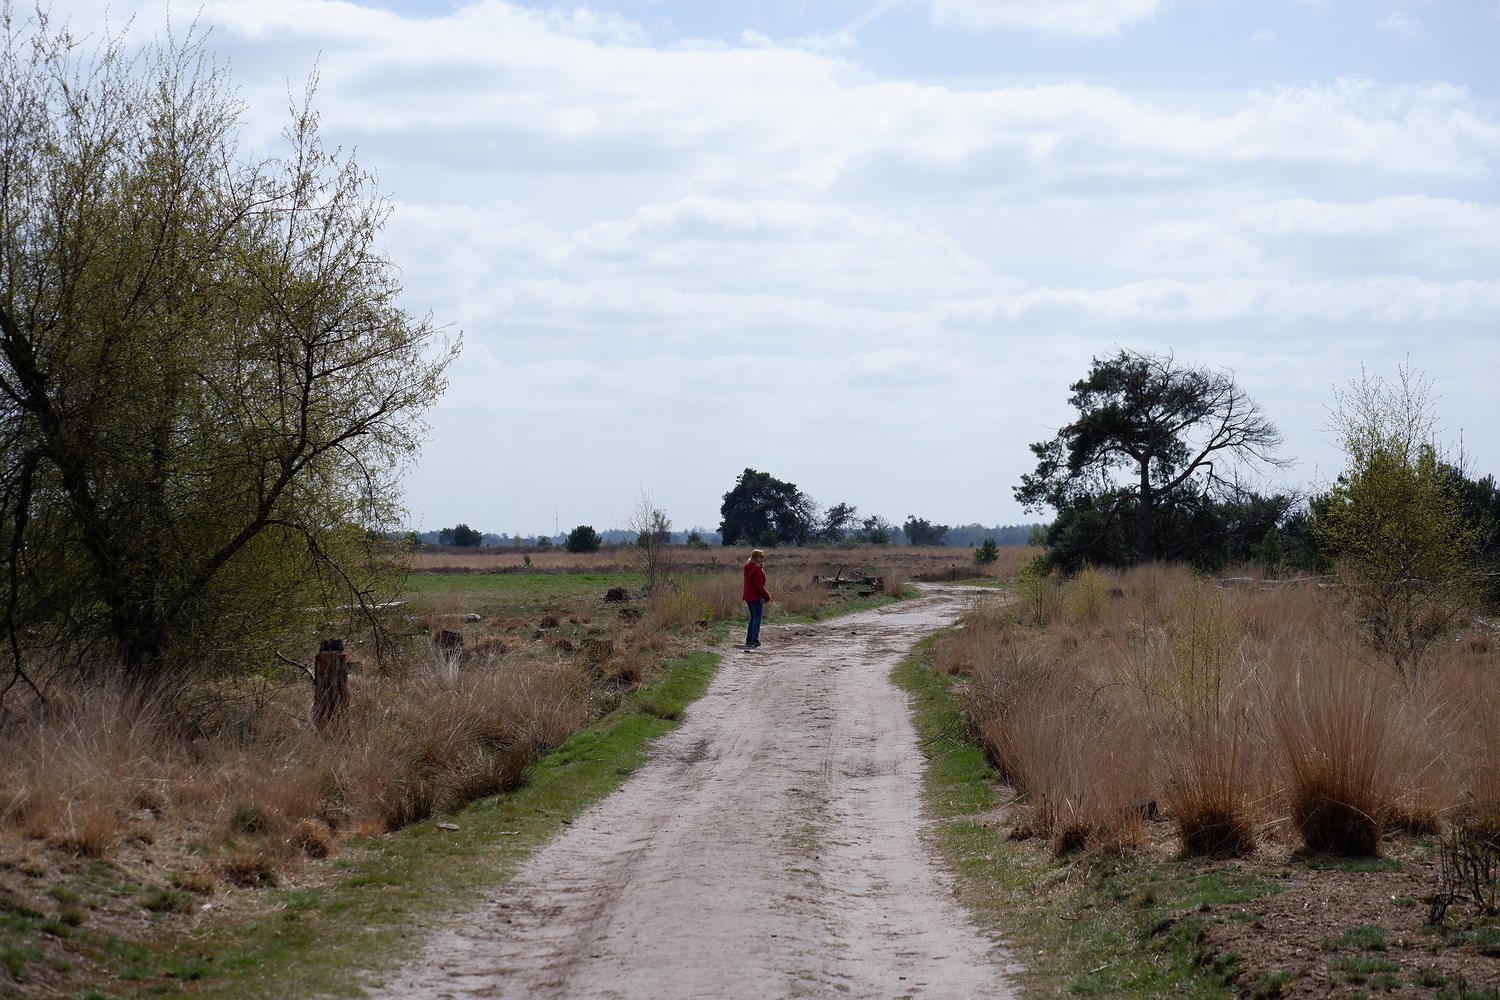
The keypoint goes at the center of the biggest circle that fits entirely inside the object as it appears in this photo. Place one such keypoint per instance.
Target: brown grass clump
(1241, 706)
(647, 639)
(250, 868)
(90, 768)
(1332, 723)
(1075, 759)
(632, 669)
(1206, 793)
(721, 592)
(794, 592)
(313, 838)
(494, 646)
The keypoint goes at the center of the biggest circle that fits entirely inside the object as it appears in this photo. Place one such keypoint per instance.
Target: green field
(516, 593)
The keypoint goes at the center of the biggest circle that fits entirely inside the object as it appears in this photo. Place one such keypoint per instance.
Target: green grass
(504, 594)
(1273, 984)
(1360, 970)
(1104, 927)
(1370, 937)
(1323, 862)
(495, 591)
(389, 893)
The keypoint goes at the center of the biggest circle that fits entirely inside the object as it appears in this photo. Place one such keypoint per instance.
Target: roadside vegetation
(1271, 782)
(1165, 784)
(132, 832)
(210, 393)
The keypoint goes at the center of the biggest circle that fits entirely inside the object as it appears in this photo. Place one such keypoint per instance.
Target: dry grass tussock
(90, 768)
(1236, 712)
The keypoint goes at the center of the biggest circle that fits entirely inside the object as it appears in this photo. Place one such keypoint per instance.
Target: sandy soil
(772, 847)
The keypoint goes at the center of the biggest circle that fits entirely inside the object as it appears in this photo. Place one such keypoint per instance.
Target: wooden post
(330, 683)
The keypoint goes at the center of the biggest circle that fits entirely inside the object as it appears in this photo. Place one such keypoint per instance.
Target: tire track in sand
(771, 847)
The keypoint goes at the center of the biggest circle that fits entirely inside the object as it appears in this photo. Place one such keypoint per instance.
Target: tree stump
(330, 683)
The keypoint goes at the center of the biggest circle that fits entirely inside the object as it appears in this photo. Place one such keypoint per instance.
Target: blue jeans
(756, 609)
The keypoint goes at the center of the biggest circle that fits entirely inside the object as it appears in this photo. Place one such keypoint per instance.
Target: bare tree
(653, 539)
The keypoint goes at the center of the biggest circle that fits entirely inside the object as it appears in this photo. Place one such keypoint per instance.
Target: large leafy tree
(761, 503)
(1152, 437)
(920, 531)
(207, 387)
(839, 521)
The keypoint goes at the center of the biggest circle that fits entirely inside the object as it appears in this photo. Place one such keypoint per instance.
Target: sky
(866, 246)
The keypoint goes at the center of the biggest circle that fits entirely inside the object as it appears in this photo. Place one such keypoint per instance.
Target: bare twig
(300, 666)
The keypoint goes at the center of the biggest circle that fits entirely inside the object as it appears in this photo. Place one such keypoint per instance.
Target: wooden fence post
(330, 683)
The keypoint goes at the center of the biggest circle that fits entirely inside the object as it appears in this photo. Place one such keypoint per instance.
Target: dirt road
(772, 847)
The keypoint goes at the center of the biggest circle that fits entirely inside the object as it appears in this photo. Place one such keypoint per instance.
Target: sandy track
(770, 848)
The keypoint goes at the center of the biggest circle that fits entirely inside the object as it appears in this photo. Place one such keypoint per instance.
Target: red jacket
(755, 582)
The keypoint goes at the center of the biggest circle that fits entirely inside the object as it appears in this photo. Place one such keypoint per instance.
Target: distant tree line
(763, 510)
(486, 539)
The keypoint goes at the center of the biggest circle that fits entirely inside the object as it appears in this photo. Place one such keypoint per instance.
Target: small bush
(313, 838)
(1469, 867)
(168, 901)
(249, 868)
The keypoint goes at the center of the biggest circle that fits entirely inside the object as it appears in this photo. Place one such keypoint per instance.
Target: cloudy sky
(865, 245)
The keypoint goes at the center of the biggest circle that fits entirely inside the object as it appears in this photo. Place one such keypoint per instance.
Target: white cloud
(1396, 234)
(1403, 25)
(1471, 224)
(781, 121)
(644, 244)
(1195, 247)
(1086, 18)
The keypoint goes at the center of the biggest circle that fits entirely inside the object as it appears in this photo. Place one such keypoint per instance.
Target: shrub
(1397, 524)
(201, 523)
(584, 539)
(987, 553)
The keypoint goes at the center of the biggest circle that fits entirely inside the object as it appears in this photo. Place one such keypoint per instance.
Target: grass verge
(1086, 925)
(835, 608)
(379, 903)
(514, 592)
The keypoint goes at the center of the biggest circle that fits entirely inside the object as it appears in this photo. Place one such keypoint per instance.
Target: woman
(756, 595)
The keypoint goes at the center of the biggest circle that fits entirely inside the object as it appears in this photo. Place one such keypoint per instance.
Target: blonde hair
(757, 552)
